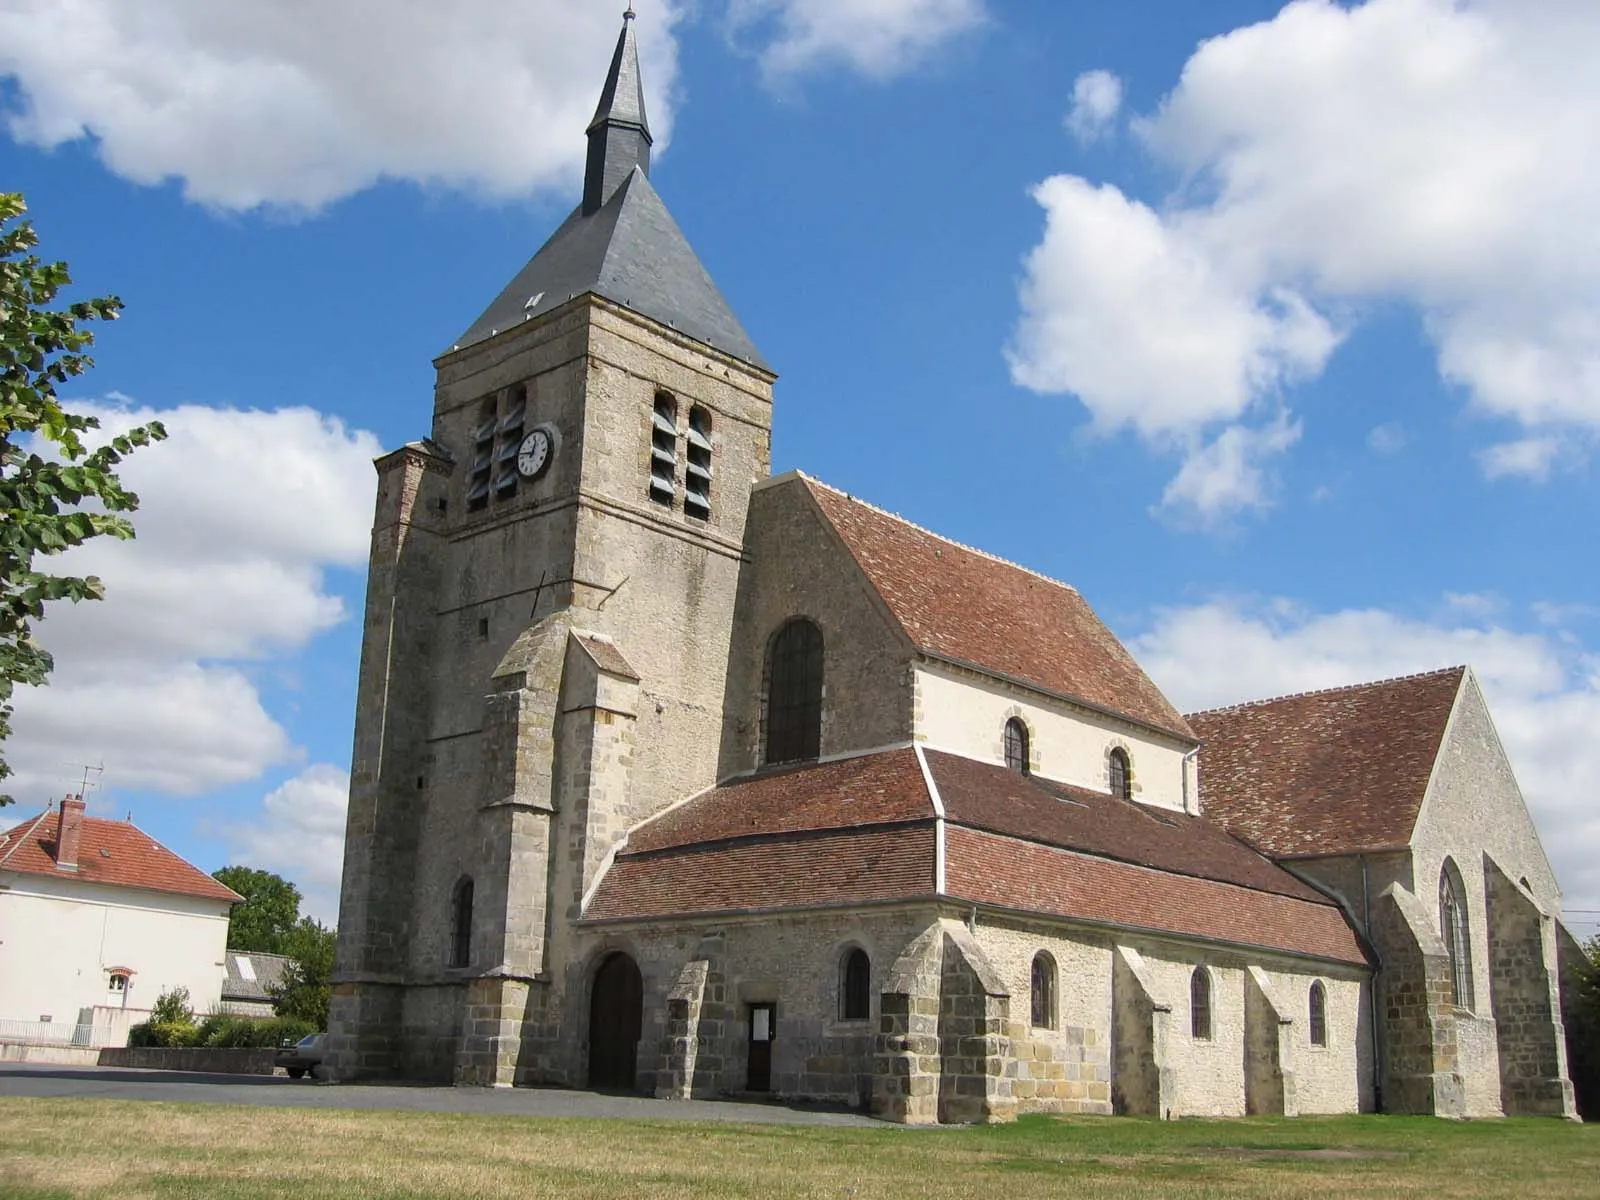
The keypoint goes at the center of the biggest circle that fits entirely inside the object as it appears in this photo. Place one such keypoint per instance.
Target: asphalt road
(119, 1083)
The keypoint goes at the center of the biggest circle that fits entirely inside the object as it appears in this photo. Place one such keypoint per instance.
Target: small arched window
(1017, 746)
(794, 694)
(1121, 774)
(1200, 1005)
(1042, 989)
(461, 925)
(1319, 1014)
(697, 475)
(855, 986)
(1453, 927)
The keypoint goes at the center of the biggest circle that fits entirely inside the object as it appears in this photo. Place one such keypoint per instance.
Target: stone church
(675, 777)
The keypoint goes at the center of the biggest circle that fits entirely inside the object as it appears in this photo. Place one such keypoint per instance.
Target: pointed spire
(619, 135)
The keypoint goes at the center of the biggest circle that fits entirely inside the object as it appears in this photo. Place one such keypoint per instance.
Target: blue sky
(1274, 330)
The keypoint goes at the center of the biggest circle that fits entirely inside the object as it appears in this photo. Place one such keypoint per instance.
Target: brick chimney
(69, 832)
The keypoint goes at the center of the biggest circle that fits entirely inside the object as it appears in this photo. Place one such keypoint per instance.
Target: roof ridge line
(22, 838)
(947, 540)
(1327, 691)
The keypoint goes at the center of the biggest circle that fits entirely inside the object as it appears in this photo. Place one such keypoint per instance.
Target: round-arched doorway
(616, 1019)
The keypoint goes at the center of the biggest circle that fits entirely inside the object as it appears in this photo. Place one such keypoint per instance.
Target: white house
(97, 920)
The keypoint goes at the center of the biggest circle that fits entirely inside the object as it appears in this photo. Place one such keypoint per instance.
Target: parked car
(301, 1057)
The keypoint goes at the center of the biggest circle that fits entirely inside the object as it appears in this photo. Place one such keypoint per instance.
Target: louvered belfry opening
(664, 450)
(794, 694)
(697, 474)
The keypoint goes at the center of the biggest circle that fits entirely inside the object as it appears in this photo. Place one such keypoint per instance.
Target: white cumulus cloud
(296, 104)
(242, 513)
(1334, 158)
(877, 38)
(299, 833)
(1096, 101)
(1543, 690)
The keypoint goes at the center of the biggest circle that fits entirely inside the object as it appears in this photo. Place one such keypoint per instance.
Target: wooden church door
(616, 1019)
(758, 1078)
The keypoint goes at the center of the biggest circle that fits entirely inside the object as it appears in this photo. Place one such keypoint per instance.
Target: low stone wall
(188, 1058)
(56, 1055)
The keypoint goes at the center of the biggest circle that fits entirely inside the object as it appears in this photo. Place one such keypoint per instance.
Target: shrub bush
(249, 1033)
(162, 1033)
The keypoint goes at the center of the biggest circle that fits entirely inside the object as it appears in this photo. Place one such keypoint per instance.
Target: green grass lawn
(127, 1149)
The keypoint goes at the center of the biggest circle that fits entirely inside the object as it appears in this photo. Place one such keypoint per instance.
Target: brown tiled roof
(110, 852)
(854, 866)
(962, 604)
(873, 789)
(990, 797)
(862, 830)
(989, 869)
(1333, 772)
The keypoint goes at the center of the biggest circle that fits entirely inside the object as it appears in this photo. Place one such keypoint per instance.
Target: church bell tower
(549, 607)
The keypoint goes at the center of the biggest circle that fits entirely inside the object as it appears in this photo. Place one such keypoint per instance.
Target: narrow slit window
(697, 474)
(794, 693)
(664, 450)
(1319, 1014)
(1042, 990)
(1453, 927)
(461, 925)
(1017, 746)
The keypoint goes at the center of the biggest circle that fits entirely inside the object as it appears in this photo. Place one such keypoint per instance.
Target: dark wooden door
(616, 1018)
(763, 1028)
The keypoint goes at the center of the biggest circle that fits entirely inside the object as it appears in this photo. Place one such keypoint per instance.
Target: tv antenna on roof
(88, 769)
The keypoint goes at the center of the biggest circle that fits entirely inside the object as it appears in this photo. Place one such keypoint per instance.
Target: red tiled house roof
(960, 604)
(1342, 771)
(864, 830)
(113, 853)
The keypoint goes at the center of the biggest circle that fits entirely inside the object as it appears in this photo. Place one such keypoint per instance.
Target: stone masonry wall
(1418, 1018)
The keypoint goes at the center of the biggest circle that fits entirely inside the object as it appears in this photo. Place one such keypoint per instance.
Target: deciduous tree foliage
(1583, 1032)
(55, 491)
(263, 921)
(304, 991)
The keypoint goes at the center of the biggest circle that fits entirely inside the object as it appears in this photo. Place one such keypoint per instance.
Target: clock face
(533, 456)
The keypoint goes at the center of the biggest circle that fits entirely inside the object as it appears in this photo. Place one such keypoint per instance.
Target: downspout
(1183, 769)
(1372, 990)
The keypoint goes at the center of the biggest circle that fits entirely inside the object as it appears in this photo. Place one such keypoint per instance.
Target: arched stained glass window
(1455, 930)
(1017, 746)
(1043, 991)
(1121, 774)
(1319, 1014)
(855, 986)
(794, 694)
(1200, 1004)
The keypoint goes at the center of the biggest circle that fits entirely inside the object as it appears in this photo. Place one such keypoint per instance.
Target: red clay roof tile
(1332, 772)
(961, 604)
(114, 853)
(988, 869)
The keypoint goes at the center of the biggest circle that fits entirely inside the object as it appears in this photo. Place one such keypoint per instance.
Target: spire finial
(630, 14)
(619, 135)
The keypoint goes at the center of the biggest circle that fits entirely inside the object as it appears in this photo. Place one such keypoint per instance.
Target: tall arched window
(794, 694)
(664, 450)
(1017, 746)
(1454, 929)
(1042, 989)
(461, 925)
(1121, 774)
(697, 475)
(1319, 1014)
(855, 986)
(1200, 1004)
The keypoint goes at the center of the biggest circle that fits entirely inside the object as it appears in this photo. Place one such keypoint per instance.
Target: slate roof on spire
(621, 243)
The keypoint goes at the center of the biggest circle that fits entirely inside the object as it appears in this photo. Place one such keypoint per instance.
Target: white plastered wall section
(1473, 806)
(1335, 1077)
(59, 938)
(965, 713)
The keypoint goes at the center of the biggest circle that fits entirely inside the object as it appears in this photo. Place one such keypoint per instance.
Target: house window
(461, 925)
(855, 986)
(794, 694)
(1319, 1014)
(1017, 746)
(1454, 929)
(697, 476)
(1121, 774)
(119, 982)
(1200, 1005)
(664, 450)
(1042, 990)
(496, 439)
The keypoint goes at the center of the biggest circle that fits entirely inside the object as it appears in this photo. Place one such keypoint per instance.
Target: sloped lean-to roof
(866, 830)
(114, 853)
(961, 604)
(1342, 771)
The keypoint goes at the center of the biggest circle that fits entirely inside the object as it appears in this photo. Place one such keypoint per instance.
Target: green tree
(262, 922)
(304, 990)
(1583, 1031)
(48, 474)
